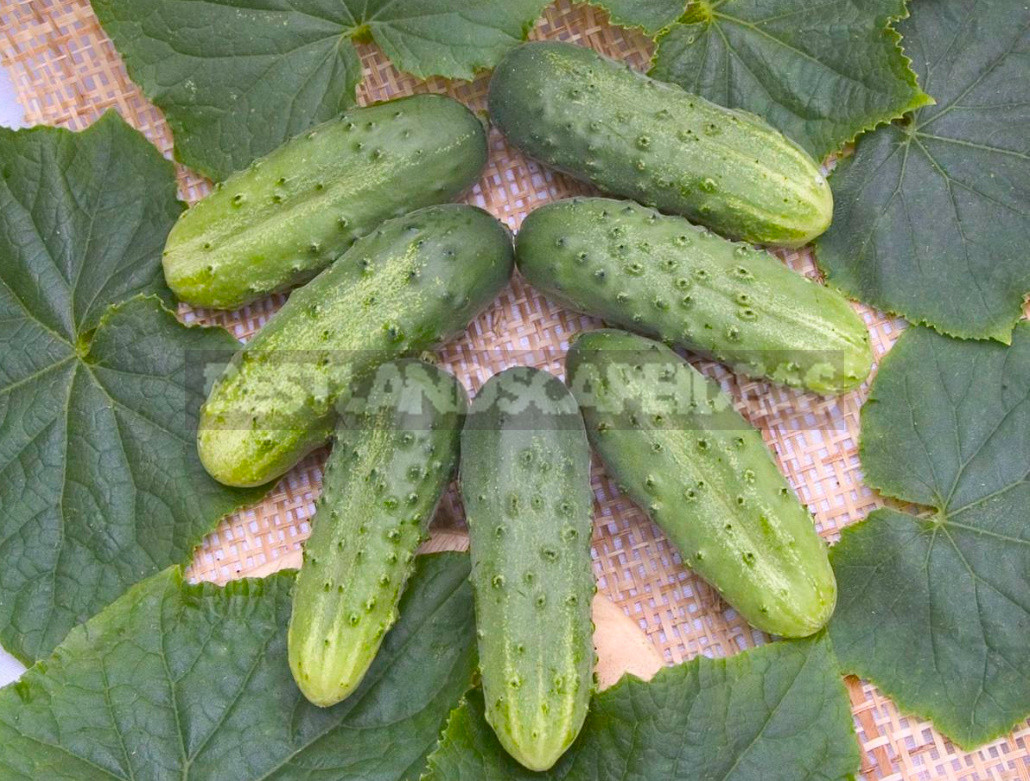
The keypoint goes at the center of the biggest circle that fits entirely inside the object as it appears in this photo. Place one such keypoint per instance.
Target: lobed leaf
(936, 610)
(236, 78)
(777, 712)
(932, 217)
(100, 484)
(191, 682)
(821, 73)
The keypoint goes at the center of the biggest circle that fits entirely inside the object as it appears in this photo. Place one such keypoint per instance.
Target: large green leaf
(936, 610)
(236, 78)
(778, 712)
(932, 217)
(820, 72)
(192, 682)
(100, 484)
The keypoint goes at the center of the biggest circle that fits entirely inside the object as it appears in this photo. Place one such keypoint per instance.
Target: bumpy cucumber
(390, 464)
(598, 120)
(664, 277)
(291, 213)
(410, 285)
(672, 439)
(525, 480)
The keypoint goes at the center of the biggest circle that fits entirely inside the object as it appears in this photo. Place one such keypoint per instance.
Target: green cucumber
(598, 120)
(391, 462)
(412, 284)
(525, 481)
(702, 473)
(286, 217)
(666, 278)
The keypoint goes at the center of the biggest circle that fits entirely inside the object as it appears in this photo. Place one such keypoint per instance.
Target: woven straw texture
(66, 72)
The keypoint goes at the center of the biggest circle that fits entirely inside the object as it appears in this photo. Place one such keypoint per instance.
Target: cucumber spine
(600, 121)
(291, 213)
(391, 462)
(702, 473)
(525, 481)
(666, 278)
(409, 286)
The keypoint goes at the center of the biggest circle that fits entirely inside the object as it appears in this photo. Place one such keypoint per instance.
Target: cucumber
(525, 481)
(664, 277)
(391, 462)
(412, 284)
(703, 474)
(600, 121)
(286, 217)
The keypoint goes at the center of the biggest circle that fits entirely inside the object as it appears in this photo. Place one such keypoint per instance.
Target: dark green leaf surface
(452, 38)
(191, 682)
(777, 712)
(936, 610)
(83, 220)
(649, 15)
(100, 484)
(932, 219)
(236, 78)
(820, 72)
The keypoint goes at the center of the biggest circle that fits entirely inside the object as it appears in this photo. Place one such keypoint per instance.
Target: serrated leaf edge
(614, 19)
(1002, 335)
(918, 100)
(175, 575)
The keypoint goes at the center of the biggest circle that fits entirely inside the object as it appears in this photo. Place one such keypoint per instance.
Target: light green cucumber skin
(286, 217)
(525, 481)
(705, 477)
(382, 482)
(600, 121)
(666, 278)
(412, 284)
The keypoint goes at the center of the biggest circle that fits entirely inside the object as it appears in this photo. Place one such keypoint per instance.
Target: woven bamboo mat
(67, 73)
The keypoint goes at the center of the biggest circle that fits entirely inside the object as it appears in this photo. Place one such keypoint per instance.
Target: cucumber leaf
(819, 72)
(651, 16)
(100, 484)
(236, 79)
(452, 38)
(936, 610)
(932, 217)
(777, 712)
(191, 682)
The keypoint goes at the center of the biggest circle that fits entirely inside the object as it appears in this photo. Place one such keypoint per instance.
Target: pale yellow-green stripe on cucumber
(664, 277)
(525, 481)
(599, 120)
(702, 473)
(412, 284)
(393, 457)
(292, 212)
